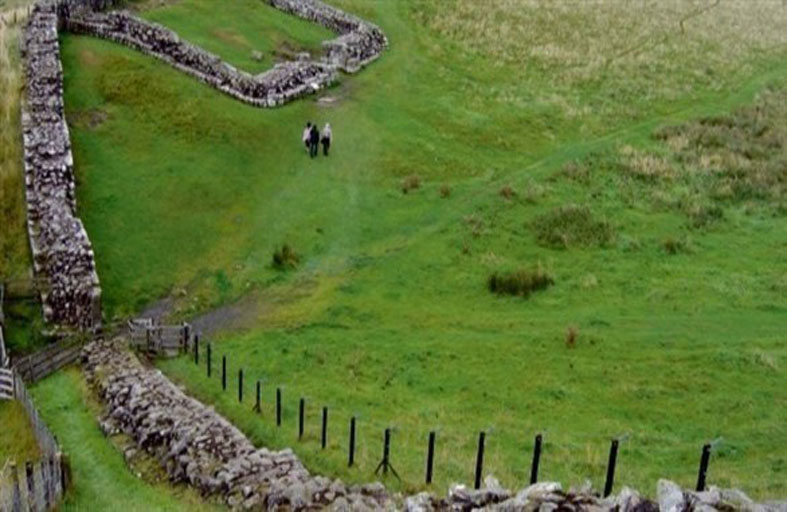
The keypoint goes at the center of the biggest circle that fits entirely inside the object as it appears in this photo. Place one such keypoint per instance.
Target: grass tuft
(285, 258)
(572, 226)
(521, 282)
(412, 182)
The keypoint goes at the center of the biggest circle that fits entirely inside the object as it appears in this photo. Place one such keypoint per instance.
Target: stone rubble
(199, 447)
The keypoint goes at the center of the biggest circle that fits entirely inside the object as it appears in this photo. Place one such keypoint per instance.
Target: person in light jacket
(306, 135)
(326, 138)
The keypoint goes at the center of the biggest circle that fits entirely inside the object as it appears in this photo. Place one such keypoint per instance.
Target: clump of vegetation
(507, 193)
(572, 333)
(672, 245)
(521, 282)
(285, 258)
(445, 191)
(572, 226)
(575, 171)
(411, 182)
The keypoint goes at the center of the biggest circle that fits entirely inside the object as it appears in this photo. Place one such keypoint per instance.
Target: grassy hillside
(537, 153)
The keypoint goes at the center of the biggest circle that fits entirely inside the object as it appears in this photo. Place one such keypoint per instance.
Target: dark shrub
(521, 282)
(572, 226)
(285, 258)
(507, 192)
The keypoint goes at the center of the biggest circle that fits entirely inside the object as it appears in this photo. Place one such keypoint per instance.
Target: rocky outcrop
(277, 86)
(199, 447)
(62, 252)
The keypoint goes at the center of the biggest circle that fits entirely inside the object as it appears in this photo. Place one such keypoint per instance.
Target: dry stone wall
(199, 447)
(285, 82)
(62, 252)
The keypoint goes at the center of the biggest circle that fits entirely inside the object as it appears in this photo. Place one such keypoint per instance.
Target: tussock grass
(572, 226)
(410, 183)
(521, 282)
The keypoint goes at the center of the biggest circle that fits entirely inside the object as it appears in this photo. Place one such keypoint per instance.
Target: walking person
(314, 141)
(326, 138)
(307, 132)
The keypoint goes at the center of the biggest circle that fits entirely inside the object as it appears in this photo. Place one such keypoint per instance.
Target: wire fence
(249, 391)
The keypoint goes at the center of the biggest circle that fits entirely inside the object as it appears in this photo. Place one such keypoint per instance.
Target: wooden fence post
(324, 436)
(536, 460)
(703, 473)
(240, 385)
(258, 405)
(31, 486)
(430, 458)
(301, 408)
(479, 460)
(208, 360)
(613, 457)
(224, 373)
(278, 407)
(351, 457)
(196, 349)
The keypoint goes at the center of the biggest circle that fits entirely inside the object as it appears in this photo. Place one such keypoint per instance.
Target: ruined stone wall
(285, 82)
(359, 41)
(61, 250)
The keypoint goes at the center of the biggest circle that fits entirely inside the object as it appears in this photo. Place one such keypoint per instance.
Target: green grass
(17, 442)
(250, 25)
(188, 193)
(101, 479)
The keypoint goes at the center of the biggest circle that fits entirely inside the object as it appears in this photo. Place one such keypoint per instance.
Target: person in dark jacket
(314, 141)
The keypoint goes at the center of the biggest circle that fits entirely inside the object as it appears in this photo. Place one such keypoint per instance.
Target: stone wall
(277, 86)
(199, 447)
(359, 41)
(61, 250)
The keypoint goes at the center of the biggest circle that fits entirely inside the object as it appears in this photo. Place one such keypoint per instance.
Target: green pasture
(187, 193)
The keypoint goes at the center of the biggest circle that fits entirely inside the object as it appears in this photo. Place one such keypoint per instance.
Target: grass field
(678, 324)
(101, 479)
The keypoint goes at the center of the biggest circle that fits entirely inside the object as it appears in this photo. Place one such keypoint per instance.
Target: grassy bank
(523, 160)
(17, 442)
(101, 479)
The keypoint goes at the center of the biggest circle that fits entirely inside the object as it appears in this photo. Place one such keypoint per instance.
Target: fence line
(43, 363)
(36, 485)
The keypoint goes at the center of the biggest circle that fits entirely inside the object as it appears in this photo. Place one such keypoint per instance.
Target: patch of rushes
(572, 225)
(521, 282)
(14, 256)
(717, 161)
